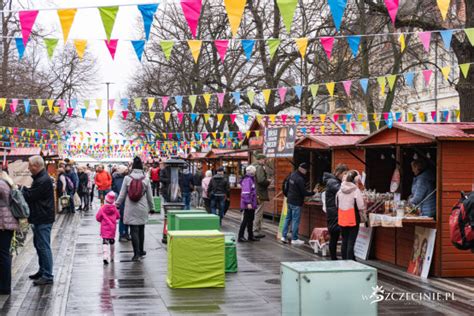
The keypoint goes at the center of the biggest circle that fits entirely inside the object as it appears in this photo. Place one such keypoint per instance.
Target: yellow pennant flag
(364, 125)
(410, 117)
(39, 102)
(152, 115)
(458, 115)
(266, 95)
(445, 71)
(443, 6)
(111, 114)
(220, 117)
(86, 104)
(333, 127)
(381, 82)
(421, 115)
(66, 18)
(3, 103)
(235, 10)
(195, 46)
(302, 44)
(80, 47)
(391, 81)
(98, 102)
(150, 103)
(164, 135)
(360, 116)
(330, 86)
(272, 118)
(56, 109)
(214, 134)
(259, 118)
(322, 117)
(309, 118)
(401, 39)
(50, 104)
(257, 133)
(97, 113)
(138, 103)
(377, 124)
(167, 116)
(206, 117)
(247, 134)
(41, 109)
(323, 129)
(207, 98)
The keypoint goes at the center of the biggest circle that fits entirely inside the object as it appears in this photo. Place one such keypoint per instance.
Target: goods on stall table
(319, 241)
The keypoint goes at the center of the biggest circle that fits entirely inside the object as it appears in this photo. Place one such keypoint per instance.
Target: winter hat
(110, 198)
(304, 165)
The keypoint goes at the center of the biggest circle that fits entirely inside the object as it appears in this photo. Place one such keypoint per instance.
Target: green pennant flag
(251, 95)
(50, 46)
(391, 81)
(192, 100)
(464, 69)
(314, 89)
(108, 15)
(287, 10)
(470, 35)
(167, 47)
(273, 44)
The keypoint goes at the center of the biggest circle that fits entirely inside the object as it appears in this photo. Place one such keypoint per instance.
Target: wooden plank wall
(344, 156)
(457, 175)
(282, 169)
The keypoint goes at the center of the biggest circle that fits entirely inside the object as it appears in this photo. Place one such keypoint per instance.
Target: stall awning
(227, 153)
(329, 142)
(196, 156)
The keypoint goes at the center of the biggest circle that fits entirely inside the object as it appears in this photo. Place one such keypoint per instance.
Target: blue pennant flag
(398, 116)
(197, 136)
(26, 102)
(74, 103)
(138, 115)
(236, 96)
(297, 118)
(409, 76)
(447, 36)
(248, 45)
(349, 117)
(83, 112)
(246, 118)
(193, 117)
(20, 47)
(354, 42)
(147, 11)
(364, 83)
(298, 91)
(343, 127)
(303, 129)
(179, 101)
(445, 115)
(389, 120)
(139, 47)
(178, 136)
(124, 103)
(337, 8)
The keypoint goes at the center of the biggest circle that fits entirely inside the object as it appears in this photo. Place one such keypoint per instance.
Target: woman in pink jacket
(8, 224)
(108, 216)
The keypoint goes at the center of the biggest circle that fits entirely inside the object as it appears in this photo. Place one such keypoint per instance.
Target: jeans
(85, 200)
(5, 261)
(155, 188)
(42, 243)
(218, 206)
(334, 238)
(247, 222)
(207, 204)
(293, 216)
(92, 193)
(138, 239)
(349, 236)
(258, 219)
(123, 229)
(187, 200)
(199, 195)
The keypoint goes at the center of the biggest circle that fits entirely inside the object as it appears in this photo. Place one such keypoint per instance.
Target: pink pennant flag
(427, 75)
(15, 129)
(282, 93)
(347, 86)
(112, 47)
(220, 98)
(124, 114)
(192, 11)
(353, 125)
(283, 118)
(204, 135)
(335, 117)
(165, 100)
(180, 117)
(69, 111)
(27, 20)
(13, 105)
(62, 104)
(328, 43)
(170, 136)
(313, 130)
(111, 103)
(221, 46)
(433, 116)
(385, 116)
(392, 8)
(232, 118)
(425, 38)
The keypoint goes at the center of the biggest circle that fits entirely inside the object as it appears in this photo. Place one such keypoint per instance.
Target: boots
(106, 254)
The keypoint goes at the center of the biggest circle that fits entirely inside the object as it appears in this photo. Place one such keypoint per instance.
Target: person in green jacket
(263, 182)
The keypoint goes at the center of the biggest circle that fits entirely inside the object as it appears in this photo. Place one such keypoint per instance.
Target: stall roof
(328, 142)
(419, 133)
(228, 153)
(31, 151)
(197, 155)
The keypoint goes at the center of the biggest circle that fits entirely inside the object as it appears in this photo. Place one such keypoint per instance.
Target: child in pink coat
(108, 216)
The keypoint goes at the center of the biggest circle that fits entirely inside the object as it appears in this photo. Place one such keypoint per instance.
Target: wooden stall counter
(235, 193)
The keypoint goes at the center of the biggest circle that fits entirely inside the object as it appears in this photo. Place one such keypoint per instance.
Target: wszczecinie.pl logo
(379, 294)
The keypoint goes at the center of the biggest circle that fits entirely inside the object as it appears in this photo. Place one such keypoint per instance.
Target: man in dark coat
(333, 184)
(218, 191)
(262, 183)
(40, 199)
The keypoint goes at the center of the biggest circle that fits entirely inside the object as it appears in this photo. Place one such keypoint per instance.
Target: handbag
(77, 199)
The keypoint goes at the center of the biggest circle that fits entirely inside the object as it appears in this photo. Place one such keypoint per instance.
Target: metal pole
(436, 80)
(108, 120)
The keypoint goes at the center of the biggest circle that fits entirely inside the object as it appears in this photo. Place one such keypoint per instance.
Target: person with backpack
(103, 181)
(117, 183)
(248, 204)
(333, 185)
(186, 183)
(295, 199)
(64, 186)
(218, 191)
(83, 189)
(197, 180)
(155, 179)
(72, 175)
(8, 225)
(138, 197)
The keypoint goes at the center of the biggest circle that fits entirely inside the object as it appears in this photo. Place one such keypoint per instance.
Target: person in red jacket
(155, 179)
(103, 181)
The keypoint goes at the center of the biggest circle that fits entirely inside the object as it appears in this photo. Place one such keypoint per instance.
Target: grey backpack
(18, 205)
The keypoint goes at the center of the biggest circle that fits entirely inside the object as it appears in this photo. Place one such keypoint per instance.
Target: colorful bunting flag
(97, 112)
(409, 76)
(192, 12)
(235, 10)
(330, 87)
(401, 39)
(51, 44)
(192, 100)
(247, 46)
(221, 47)
(148, 12)
(251, 95)
(392, 8)
(282, 93)
(354, 42)
(287, 11)
(195, 46)
(425, 38)
(3, 103)
(179, 101)
(464, 69)
(236, 96)
(446, 36)
(108, 15)
(26, 103)
(20, 46)
(327, 43)
(27, 20)
(112, 47)
(446, 71)
(266, 95)
(347, 87)
(83, 112)
(150, 102)
(66, 19)
(273, 44)
(220, 98)
(470, 35)
(381, 82)
(139, 47)
(298, 91)
(302, 44)
(337, 8)
(80, 47)
(167, 47)
(164, 101)
(152, 115)
(427, 76)
(207, 98)
(364, 83)
(391, 79)
(443, 6)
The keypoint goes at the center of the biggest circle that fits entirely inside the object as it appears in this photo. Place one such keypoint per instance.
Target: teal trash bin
(230, 253)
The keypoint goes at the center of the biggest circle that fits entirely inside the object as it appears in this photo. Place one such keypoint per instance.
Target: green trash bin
(172, 213)
(230, 253)
(157, 203)
(197, 222)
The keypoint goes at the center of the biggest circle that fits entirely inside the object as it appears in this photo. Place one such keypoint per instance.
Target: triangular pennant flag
(251, 95)
(401, 39)
(347, 87)
(392, 8)
(147, 11)
(381, 82)
(71, 110)
(266, 95)
(207, 98)
(80, 47)
(335, 117)
(330, 86)
(221, 47)
(192, 12)
(50, 104)
(139, 47)
(434, 116)
(298, 91)
(287, 11)
(322, 117)
(247, 46)
(13, 105)
(391, 81)
(3, 103)
(167, 47)
(282, 93)
(27, 20)
(138, 115)
(364, 83)
(273, 44)
(327, 43)
(302, 44)
(446, 36)
(193, 117)
(464, 69)
(297, 118)
(409, 76)
(165, 100)
(427, 76)
(20, 47)
(112, 47)
(150, 102)
(108, 15)
(98, 102)
(337, 8)
(192, 100)
(111, 114)
(152, 115)
(138, 103)
(309, 117)
(220, 116)
(246, 118)
(195, 46)
(323, 129)
(50, 46)
(41, 109)
(97, 112)
(470, 35)
(314, 89)
(443, 6)
(83, 112)
(206, 119)
(235, 10)
(354, 42)
(26, 103)
(232, 118)
(180, 117)
(445, 71)
(66, 18)
(179, 101)
(272, 118)
(220, 98)
(425, 38)
(236, 96)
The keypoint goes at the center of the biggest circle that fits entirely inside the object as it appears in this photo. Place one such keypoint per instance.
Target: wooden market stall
(447, 147)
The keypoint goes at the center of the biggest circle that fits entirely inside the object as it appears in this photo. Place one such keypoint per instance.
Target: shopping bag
(77, 199)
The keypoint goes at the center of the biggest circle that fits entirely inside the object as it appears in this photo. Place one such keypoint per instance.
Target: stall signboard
(20, 174)
(280, 142)
(422, 253)
(256, 142)
(363, 241)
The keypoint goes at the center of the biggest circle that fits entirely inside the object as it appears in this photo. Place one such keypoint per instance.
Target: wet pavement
(84, 286)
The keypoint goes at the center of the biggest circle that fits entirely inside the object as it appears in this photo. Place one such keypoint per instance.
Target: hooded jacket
(219, 186)
(349, 199)
(297, 189)
(103, 180)
(422, 186)
(107, 216)
(249, 192)
(186, 182)
(333, 184)
(40, 199)
(205, 186)
(7, 220)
